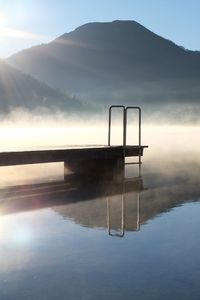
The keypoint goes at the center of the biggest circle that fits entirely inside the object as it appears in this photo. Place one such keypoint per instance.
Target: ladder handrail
(124, 122)
(140, 121)
(122, 230)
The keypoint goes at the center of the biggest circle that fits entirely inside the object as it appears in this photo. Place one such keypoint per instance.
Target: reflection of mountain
(86, 202)
(20, 90)
(119, 61)
(152, 203)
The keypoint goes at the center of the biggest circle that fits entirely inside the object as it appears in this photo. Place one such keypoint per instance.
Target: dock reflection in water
(108, 201)
(76, 195)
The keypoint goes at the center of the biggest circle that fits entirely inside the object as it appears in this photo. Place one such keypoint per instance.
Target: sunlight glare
(22, 236)
(15, 234)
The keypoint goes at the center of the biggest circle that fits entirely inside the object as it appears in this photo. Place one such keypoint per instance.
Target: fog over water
(170, 146)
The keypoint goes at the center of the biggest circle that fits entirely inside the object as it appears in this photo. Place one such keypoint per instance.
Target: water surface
(109, 237)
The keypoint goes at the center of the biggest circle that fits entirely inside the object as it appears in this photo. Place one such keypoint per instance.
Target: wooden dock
(70, 154)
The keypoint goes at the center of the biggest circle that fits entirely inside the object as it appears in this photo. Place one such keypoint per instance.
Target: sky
(24, 23)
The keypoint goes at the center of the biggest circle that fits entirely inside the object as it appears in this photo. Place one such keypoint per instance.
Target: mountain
(20, 90)
(116, 62)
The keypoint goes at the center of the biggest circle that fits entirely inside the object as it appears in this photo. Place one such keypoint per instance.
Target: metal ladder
(125, 117)
(125, 111)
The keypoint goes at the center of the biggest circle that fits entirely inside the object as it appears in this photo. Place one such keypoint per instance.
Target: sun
(3, 18)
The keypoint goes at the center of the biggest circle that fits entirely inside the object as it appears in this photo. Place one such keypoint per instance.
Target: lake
(112, 237)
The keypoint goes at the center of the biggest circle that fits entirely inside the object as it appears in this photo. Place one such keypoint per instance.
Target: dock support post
(95, 168)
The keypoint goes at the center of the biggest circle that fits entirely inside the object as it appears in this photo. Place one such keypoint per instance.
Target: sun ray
(19, 34)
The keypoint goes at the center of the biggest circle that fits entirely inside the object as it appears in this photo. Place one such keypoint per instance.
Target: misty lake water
(119, 238)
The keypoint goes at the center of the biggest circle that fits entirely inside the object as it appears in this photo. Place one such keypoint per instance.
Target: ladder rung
(131, 179)
(133, 163)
